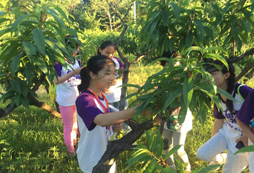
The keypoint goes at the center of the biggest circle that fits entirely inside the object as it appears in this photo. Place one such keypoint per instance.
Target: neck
(95, 89)
(224, 86)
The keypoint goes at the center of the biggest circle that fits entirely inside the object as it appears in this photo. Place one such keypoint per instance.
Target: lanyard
(105, 109)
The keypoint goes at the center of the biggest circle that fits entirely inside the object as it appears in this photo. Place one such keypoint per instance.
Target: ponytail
(94, 64)
(231, 85)
(230, 81)
(85, 79)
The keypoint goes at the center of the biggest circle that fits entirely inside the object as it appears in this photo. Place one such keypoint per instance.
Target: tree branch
(39, 82)
(33, 101)
(114, 148)
(244, 71)
(235, 59)
(4, 112)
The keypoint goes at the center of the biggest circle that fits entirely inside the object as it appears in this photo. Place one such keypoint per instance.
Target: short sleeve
(58, 69)
(246, 113)
(216, 113)
(244, 91)
(87, 110)
(120, 63)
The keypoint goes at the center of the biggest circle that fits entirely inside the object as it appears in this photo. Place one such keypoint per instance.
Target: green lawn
(32, 140)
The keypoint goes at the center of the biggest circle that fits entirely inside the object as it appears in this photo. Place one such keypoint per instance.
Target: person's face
(108, 51)
(105, 77)
(219, 78)
(76, 51)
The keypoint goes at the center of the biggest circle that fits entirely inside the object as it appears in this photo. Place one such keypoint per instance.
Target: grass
(31, 140)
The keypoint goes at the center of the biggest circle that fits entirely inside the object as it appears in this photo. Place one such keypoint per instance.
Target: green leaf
(209, 168)
(59, 21)
(226, 94)
(188, 40)
(24, 101)
(129, 96)
(168, 169)
(153, 26)
(246, 149)
(29, 73)
(39, 40)
(32, 93)
(17, 22)
(159, 144)
(29, 48)
(172, 44)
(24, 88)
(226, 8)
(172, 97)
(218, 57)
(15, 64)
(176, 10)
(62, 13)
(172, 151)
(239, 44)
(2, 13)
(165, 18)
(131, 85)
(42, 65)
(8, 95)
(234, 31)
(17, 99)
(187, 91)
(15, 85)
(209, 32)
(194, 48)
(200, 29)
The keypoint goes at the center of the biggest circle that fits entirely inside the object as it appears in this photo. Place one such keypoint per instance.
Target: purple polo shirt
(246, 112)
(58, 67)
(87, 108)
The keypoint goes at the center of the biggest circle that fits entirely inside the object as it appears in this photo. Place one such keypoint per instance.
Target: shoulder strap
(238, 92)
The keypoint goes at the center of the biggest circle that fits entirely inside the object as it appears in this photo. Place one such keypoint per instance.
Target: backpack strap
(238, 92)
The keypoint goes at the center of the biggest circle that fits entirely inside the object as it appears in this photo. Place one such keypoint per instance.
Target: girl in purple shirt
(226, 131)
(96, 119)
(113, 94)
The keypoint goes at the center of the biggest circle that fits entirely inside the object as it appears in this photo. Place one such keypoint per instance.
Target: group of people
(89, 99)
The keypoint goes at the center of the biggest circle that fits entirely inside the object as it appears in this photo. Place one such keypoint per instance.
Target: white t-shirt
(67, 92)
(231, 129)
(93, 138)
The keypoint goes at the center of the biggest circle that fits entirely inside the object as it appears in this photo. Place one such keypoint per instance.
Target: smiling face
(105, 77)
(108, 51)
(220, 78)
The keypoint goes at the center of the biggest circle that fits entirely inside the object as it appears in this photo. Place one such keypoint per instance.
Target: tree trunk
(44, 106)
(114, 148)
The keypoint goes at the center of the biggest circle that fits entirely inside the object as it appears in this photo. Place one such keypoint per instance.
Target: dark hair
(94, 64)
(166, 54)
(68, 42)
(104, 45)
(230, 80)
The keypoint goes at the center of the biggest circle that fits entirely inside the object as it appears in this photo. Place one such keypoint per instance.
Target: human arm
(115, 117)
(246, 129)
(62, 79)
(118, 127)
(218, 124)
